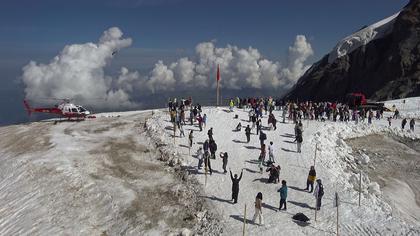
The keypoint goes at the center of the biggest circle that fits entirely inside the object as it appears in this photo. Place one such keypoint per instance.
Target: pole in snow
(360, 186)
(337, 204)
(243, 231)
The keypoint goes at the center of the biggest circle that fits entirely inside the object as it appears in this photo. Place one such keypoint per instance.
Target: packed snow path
(374, 217)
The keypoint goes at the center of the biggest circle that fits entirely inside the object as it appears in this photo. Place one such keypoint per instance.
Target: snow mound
(364, 159)
(362, 37)
(374, 188)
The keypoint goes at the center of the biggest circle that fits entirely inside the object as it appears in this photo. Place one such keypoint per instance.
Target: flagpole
(217, 88)
(217, 94)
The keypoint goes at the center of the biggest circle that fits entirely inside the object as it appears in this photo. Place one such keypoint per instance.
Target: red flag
(218, 74)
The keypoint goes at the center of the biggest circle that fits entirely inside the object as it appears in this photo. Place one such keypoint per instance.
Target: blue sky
(169, 29)
(42, 27)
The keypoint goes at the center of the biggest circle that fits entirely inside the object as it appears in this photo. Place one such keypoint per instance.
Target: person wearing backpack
(283, 195)
(319, 193)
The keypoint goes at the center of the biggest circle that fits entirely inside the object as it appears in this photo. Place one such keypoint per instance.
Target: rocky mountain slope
(381, 61)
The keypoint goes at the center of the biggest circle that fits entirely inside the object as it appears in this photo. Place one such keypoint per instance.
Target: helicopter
(64, 109)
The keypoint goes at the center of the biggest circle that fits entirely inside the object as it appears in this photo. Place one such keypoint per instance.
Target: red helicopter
(65, 109)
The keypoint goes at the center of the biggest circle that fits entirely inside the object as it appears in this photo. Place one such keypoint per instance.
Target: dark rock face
(385, 68)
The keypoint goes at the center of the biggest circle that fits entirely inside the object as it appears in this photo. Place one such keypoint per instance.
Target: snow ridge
(362, 37)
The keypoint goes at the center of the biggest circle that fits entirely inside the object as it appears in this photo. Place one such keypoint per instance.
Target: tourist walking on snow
(311, 179)
(258, 209)
(319, 193)
(248, 133)
(224, 157)
(412, 124)
(283, 195)
(200, 122)
(235, 185)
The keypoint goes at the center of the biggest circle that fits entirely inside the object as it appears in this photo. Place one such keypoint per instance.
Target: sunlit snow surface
(374, 217)
(63, 180)
(362, 37)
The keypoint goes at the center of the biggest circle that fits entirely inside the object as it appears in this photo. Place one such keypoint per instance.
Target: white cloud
(240, 68)
(298, 54)
(78, 71)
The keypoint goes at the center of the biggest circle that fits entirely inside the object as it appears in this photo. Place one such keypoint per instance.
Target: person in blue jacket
(283, 195)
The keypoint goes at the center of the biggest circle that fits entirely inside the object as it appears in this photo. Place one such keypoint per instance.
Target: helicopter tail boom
(28, 108)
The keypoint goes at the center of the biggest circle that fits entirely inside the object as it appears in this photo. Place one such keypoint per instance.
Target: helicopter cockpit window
(74, 110)
(81, 109)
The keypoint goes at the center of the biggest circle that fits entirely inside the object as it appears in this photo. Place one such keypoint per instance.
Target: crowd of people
(256, 107)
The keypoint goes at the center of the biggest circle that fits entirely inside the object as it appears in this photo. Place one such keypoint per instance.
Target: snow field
(334, 165)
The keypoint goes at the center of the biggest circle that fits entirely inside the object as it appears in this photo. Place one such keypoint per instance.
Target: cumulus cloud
(240, 68)
(78, 72)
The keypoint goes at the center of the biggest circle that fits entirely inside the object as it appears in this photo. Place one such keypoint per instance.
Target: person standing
(258, 126)
(403, 123)
(205, 120)
(210, 133)
(248, 133)
(283, 195)
(224, 157)
(235, 185)
(190, 138)
(318, 193)
(213, 148)
(181, 130)
(258, 209)
(311, 179)
(284, 114)
(261, 158)
(200, 122)
(207, 163)
(299, 140)
(412, 124)
(263, 137)
(200, 157)
(206, 146)
(271, 152)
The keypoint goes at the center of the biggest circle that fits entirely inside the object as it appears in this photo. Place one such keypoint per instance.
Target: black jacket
(235, 182)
